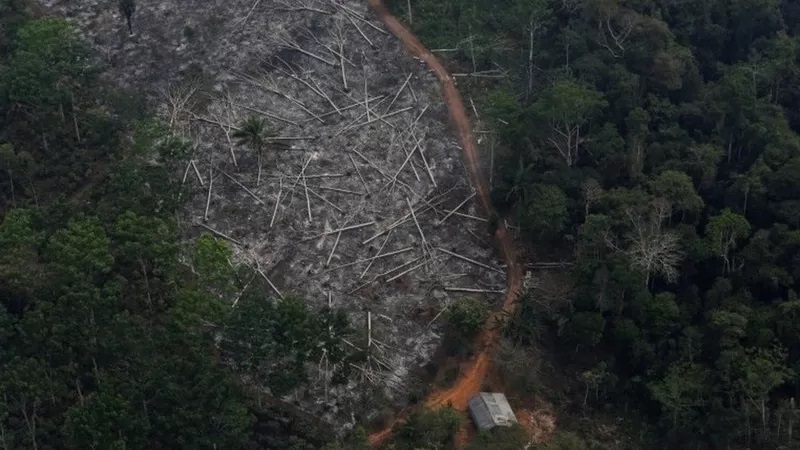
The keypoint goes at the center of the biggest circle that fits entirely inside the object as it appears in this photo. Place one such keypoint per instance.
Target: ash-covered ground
(359, 140)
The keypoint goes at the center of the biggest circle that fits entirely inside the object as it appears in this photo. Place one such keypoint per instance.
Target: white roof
(491, 409)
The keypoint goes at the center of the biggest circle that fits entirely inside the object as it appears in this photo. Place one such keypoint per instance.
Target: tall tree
(253, 132)
(723, 231)
(567, 107)
(681, 392)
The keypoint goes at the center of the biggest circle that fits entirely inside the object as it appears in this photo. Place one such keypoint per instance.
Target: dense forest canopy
(115, 333)
(656, 144)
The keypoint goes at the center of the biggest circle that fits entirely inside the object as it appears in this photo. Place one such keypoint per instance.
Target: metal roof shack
(491, 409)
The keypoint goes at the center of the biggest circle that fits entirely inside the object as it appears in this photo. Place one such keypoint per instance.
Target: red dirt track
(475, 370)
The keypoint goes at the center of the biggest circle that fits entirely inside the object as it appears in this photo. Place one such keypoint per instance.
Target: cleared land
(362, 202)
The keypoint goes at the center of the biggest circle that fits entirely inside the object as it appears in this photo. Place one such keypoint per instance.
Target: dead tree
(226, 118)
(649, 247)
(613, 32)
(127, 8)
(180, 100)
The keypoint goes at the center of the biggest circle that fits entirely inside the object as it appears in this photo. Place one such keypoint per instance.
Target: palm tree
(253, 132)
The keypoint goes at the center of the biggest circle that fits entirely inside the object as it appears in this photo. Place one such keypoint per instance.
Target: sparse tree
(253, 132)
(592, 192)
(127, 8)
(567, 107)
(637, 123)
(722, 232)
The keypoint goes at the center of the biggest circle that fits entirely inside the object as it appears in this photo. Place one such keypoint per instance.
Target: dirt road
(474, 371)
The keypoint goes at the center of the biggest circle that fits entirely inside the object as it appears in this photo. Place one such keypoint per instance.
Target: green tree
(681, 392)
(723, 231)
(567, 107)
(49, 65)
(501, 438)
(211, 259)
(752, 374)
(637, 124)
(81, 250)
(27, 388)
(105, 420)
(429, 429)
(678, 189)
(467, 317)
(585, 329)
(751, 182)
(274, 341)
(544, 211)
(563, 441)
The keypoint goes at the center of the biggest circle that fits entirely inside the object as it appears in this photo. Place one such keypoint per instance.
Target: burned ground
(354, 207)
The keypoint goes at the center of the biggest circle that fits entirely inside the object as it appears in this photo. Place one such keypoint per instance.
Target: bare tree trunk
(410, 16)
(530, 60)
(147, 282)
(746, 195)
(3, 441)
(146, 414)
(763, 417)
(675, 418)
(258, 177)
(586, 395)
(75, 118)
(80, 392)
(13, 195)
(747, 420)
(31, 424)
(3, 437)
(730, 147)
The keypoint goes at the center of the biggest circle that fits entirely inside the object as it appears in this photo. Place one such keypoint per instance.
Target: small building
(491, 409)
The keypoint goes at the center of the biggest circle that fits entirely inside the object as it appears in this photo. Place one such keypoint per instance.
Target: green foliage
(723, 232)
(104, 421)
(211, 260)
(544, 211)
(82, 249)
(252, 132)
(658, 145)
(274, 341)
(677, 187)
(567, 102)
(109, 323)
(563, 441)
(501, 438)
(467, 317)
(48, 61)
(682, 391)
(429, 429)
(585, 329)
